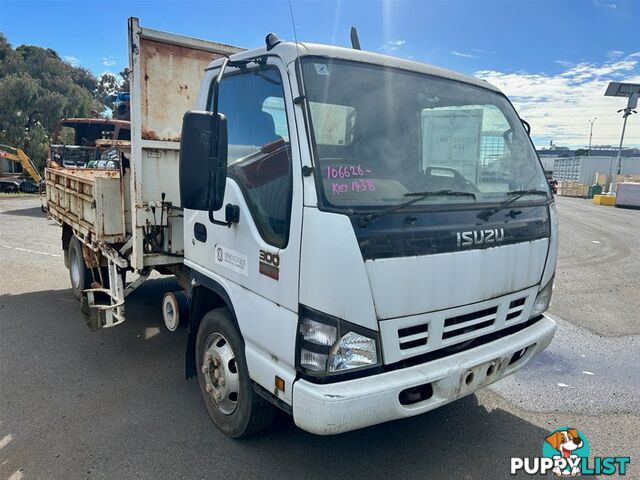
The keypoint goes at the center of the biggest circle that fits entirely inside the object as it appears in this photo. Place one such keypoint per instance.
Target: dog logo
(565, 452)
(569, 444)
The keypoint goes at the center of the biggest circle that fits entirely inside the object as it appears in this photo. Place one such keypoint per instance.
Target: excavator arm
(18, 155)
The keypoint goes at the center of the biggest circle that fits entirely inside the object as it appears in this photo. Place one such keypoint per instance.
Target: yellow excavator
(12, 182)
(18, 155)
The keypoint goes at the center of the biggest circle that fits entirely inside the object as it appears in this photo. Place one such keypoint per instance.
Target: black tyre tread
(261, 412)
(86, 273)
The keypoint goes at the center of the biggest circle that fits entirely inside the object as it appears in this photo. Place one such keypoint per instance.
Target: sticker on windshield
(359, 185)
(321, 69)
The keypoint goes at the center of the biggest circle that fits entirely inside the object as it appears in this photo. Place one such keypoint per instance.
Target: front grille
(469, 322)
(454, 328)
(476, 342)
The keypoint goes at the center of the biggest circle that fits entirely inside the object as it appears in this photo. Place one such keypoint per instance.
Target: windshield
(383, 133)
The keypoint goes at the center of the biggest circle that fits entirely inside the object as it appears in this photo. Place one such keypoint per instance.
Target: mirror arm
(216, 90)
(216, 87)
(232, 215)
(217, 222)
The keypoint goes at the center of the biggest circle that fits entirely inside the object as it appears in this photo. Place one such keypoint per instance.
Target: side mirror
(203, 161)
(527, 127)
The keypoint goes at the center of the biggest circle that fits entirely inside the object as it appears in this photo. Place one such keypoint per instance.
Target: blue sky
(552, 58)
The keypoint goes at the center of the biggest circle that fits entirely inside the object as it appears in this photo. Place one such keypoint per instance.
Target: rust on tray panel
(171, 77)
(151, 135)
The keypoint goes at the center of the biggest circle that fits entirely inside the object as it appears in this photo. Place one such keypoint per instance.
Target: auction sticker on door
(231, 259)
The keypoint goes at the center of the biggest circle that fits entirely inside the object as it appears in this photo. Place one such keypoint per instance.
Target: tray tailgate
(90, 201)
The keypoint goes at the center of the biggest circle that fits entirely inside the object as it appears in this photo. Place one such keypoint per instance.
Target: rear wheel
(228, 393)
(79, 274)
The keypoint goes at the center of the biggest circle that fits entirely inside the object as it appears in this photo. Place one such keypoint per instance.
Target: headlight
(353, 351)
(543, 300)
(328, 345)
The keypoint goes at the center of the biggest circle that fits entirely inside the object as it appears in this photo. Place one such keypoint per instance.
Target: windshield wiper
(515, 195)
(366, 219)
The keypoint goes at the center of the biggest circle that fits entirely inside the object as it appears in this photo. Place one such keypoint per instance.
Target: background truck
(348, 247)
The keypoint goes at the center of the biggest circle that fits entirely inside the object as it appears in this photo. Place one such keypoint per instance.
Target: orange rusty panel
(171, 77)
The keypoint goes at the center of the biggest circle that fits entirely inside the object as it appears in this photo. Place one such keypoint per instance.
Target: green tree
(110, 84)
(37, 89)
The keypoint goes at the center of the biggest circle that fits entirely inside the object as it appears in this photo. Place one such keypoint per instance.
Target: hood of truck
(389, 269)
(412, 285)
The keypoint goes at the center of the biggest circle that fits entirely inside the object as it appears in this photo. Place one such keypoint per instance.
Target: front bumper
(349, 405)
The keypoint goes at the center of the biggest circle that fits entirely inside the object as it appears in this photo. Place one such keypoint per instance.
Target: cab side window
(259, 153)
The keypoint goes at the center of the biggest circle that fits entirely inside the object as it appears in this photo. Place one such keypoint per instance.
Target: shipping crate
(607, 200)
(628, 195)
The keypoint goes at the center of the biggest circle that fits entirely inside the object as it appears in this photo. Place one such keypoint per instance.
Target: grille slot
(454, 329)
(469, 322)
(517, 303)
(515, 308)
(414, 336)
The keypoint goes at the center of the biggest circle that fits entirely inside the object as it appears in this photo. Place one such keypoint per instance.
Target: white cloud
(615, 53)
(392, 45)
(75, 61)
(559, 106)
(462, 54)
(108, 61)
(599, 3)
(564, 63)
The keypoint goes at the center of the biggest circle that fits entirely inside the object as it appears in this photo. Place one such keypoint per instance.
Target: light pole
(632, 92)
(627, 111)
(591, 133)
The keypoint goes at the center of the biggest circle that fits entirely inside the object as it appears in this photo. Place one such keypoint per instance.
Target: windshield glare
(381, 133)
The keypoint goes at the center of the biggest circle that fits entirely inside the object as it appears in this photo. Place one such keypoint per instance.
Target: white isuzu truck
(358, 238)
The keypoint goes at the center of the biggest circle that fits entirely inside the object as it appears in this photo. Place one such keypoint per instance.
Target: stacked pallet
(567, 188)
(601, 179)
(618, 179)
(627, 178)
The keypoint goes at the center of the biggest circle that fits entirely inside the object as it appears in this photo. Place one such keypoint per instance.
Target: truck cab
(366, 238)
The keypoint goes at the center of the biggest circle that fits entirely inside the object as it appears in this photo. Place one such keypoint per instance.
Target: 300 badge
(269, 264)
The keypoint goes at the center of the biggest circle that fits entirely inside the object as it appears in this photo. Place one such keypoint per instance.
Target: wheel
(228, 393)
(79, 274)
(175, 310)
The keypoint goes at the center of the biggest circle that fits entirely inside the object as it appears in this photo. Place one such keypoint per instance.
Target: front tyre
(228, 394)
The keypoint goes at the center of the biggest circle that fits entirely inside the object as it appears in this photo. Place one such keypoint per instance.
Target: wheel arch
(205, 294)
